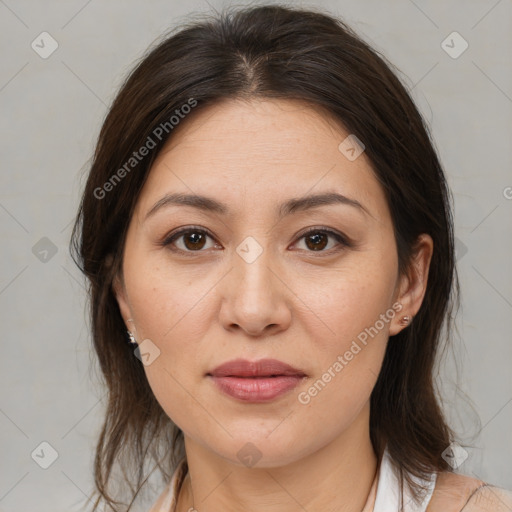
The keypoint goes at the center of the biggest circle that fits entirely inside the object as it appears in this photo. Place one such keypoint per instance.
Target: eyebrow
(291, 206)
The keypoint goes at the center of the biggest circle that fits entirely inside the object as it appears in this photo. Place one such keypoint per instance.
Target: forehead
(255, 153)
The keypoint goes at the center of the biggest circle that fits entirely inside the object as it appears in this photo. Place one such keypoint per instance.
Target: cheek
(350, 331)
(165, 298)
(175, 321)
(172, 309)
(348, 359)
(349, 302)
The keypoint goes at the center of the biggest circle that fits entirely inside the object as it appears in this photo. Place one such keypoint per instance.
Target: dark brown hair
(269, 52)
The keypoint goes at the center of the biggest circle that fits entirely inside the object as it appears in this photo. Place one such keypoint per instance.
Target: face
(264, 274)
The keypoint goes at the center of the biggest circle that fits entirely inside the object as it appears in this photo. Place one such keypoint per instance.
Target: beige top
(383, 496)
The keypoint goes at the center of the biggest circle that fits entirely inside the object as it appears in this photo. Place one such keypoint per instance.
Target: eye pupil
(197, 240)
(316, 239)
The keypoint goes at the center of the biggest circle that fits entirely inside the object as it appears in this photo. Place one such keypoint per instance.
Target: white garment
(388, 490)
(387, 499)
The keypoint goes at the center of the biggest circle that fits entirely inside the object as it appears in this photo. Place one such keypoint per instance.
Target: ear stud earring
(405, 320)
(131, 338)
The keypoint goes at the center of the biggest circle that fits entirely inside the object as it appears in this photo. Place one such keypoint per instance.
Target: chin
(262, 451)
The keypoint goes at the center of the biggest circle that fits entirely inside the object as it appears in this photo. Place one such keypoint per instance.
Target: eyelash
(342, 240)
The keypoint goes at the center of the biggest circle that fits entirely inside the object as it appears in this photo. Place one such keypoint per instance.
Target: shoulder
(457, 493)
(489, 498)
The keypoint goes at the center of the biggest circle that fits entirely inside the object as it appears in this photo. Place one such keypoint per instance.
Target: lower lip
(251, 389)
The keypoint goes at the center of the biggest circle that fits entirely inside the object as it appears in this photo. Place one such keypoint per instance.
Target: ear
(124, 306)
(412, 287)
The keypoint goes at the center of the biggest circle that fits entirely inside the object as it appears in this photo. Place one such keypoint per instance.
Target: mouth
(256, 382)
(250, 376)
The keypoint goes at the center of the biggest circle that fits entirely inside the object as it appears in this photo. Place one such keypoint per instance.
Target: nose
(256, 299)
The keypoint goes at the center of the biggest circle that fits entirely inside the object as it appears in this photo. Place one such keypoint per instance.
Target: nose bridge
(254, 298)
(253, 269)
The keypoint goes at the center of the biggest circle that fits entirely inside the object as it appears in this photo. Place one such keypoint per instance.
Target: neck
(337, 477)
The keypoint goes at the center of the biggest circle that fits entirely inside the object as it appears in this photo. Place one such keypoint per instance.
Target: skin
(295, 304)
(452, 492)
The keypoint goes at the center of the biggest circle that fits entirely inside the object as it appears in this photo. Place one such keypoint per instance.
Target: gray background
(52, 110)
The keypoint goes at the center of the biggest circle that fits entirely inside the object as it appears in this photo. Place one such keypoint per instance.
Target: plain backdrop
(51, 113)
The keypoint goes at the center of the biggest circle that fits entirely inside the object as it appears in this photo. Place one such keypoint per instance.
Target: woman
(268, 223)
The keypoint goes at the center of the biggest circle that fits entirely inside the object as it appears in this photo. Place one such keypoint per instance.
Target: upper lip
(261, 368)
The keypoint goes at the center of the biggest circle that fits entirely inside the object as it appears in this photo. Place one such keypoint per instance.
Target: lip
(256, 381)
(261, 368)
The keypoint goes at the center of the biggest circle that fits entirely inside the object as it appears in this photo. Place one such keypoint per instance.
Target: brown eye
(316, 241)
(194, 240)
(188, 240)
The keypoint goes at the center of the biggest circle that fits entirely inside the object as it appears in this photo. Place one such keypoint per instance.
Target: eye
(192, 239)
(317, 239)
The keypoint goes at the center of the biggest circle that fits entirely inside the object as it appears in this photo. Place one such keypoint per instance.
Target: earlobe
(414, 284)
